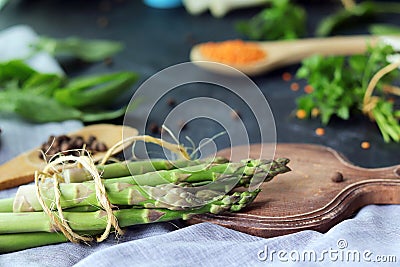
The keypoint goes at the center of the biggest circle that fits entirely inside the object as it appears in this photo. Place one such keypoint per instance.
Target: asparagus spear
(121, 169)
(11, 224)
(220, 178)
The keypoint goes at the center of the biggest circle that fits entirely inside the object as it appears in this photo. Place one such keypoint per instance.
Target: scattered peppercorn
(171, 102)
(154, 129)
(286, 76)
(108, 61)
(190, 39)
(102, 22)
(70, 145)
(337, 177)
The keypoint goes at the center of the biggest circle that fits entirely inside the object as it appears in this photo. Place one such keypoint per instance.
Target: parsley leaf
(283, 20)
(339, 85)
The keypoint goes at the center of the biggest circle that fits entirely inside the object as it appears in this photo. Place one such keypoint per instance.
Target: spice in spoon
(235, 52)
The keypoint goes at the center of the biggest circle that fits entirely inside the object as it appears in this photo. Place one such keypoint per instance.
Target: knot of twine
(59, 221)
(88, 163)
(369, 101)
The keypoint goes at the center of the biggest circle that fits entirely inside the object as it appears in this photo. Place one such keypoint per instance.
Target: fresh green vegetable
(283, 20)
(358, 12)
(162, 196)
(42, 84)
(157, 189)
(14, 71)
(384, 29)
(94, 90)
(123, 169)
(43, 97)
(340, 84)
(84, 49)
(37, 228)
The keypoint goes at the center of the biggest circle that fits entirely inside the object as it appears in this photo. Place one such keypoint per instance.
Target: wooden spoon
(283, 53)
(20, 170)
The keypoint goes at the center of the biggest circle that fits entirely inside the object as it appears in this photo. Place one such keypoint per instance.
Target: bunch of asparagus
(139, 191)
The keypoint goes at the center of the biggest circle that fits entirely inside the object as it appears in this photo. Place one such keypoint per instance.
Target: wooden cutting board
(307, 197)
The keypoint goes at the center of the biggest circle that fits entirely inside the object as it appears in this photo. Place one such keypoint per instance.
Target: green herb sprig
(41, 97)
(339, 88)
(89, 50)
(356, 12)
(282, 20)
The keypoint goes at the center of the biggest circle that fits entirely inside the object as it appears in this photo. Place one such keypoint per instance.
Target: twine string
(51, 170)
(369, 101)
(60, 222)
(176, 148)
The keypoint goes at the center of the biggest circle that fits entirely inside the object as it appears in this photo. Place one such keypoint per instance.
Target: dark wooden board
(306, 197)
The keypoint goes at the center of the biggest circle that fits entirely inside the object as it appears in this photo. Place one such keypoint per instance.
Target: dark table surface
(156, 39)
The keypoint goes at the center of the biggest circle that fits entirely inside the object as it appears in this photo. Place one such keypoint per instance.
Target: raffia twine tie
(86, 162)
(59, 221)
(369, 101)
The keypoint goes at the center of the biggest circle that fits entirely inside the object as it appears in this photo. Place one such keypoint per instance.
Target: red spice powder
(233, 52)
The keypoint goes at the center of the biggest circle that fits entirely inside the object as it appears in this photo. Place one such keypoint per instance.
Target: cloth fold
(372, 236)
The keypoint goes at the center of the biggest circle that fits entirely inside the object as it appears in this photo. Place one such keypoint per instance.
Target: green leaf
(384, 29)
(42, 109)
(85, 49)
(362, 10)
(386, 120)
(91, 116)
(15, 70)
(36, 108)
(343, 112)
(358, 63)
(326, 114)
(306, 103)
(42, 84)
(282, 20)
(341, 17)
(95, 90)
